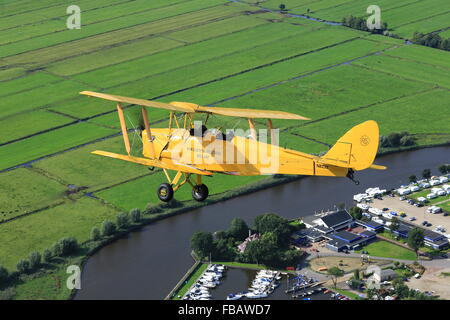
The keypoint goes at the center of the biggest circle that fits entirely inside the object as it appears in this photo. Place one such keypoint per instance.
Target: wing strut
(150, 138)
(272, 132)
(123, 125)
(252, 128)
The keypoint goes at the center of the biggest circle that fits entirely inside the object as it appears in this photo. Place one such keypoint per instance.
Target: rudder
(356, 149)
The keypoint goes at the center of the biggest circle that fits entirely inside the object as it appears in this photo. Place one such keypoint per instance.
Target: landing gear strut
(200, 192)
(350, 175)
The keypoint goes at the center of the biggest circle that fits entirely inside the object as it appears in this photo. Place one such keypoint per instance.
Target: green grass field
(38, 231)
(404, 17)
(210, 52)
(389, 250)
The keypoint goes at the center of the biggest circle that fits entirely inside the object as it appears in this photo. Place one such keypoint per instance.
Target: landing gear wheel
(165, 192)
(200, 192)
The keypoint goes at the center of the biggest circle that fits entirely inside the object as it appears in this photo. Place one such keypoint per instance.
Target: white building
(380, 275)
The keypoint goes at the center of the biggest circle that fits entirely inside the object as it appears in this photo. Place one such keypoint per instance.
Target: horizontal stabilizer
(154, 163)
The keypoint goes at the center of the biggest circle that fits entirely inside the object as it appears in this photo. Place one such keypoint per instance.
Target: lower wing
(154, 163)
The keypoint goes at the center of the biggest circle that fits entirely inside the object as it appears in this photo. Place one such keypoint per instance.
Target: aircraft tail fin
(356, 149)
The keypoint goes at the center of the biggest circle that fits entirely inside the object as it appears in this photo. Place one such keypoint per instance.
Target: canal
(148, 263)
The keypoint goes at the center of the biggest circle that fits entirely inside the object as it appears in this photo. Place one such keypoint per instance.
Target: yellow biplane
(193, 151)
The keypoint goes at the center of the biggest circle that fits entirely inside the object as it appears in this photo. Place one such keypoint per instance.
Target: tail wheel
(200, 192)
(165, 192)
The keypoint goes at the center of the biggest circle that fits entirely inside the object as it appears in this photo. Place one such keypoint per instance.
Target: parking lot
(421, 214)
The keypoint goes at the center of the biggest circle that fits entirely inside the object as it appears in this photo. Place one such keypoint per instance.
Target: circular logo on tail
(364, 140)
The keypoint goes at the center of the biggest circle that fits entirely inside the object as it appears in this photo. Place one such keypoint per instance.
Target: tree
(265, 250)
(395, 224)
(108, 228)
(401, 290)
(415, 239)
(356, 213)
(291, 257)
(95, 234)
(443, 169)
(384, 142)
(426, 173)
(135, 215)
(279, 226)
(238, 229)
(122, 220)
(413, 178)
(35, 260)
(255, 251)
(335, 273)
(65, 247)
(223, 251)
(445, 44)
(23, 266)
(202, 243)
(394, 139)
(4, 274)
(47, 255)
(356, 274)
(407, 141)
(282, 7)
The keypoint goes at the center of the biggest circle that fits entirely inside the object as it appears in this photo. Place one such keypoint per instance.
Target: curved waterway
(148, 263)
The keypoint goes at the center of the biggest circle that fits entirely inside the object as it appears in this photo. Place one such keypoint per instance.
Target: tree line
(397, 139)
(68, 246)
(272, 248)
(361, 24)
(426, 173)
(433, 40)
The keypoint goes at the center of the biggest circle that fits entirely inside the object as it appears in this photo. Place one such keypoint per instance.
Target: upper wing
(191, 107)
(252, 113)
(238, 112)
(140, 102)
(154, 163)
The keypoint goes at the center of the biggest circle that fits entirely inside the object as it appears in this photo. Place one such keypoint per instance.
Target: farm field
(210, 52)
(404, 17)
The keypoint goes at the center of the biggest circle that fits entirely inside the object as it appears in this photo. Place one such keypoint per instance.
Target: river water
(148, 263)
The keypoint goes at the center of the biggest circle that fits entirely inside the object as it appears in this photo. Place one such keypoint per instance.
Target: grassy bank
(178, 294)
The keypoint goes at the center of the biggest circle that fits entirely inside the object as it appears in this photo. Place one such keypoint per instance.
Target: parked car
(419, 205)
(402, 198)
(385, 209)
(412, 219)
(424, 223)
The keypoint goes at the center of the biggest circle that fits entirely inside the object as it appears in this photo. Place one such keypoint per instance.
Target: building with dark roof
(346, 236)
(337, 220)
(345, 240)
(311, 234)
(402, 230)
(368, 234)
(431, 238)
(371, 225)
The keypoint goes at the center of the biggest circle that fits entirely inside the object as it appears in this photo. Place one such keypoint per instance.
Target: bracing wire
(134, 131)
